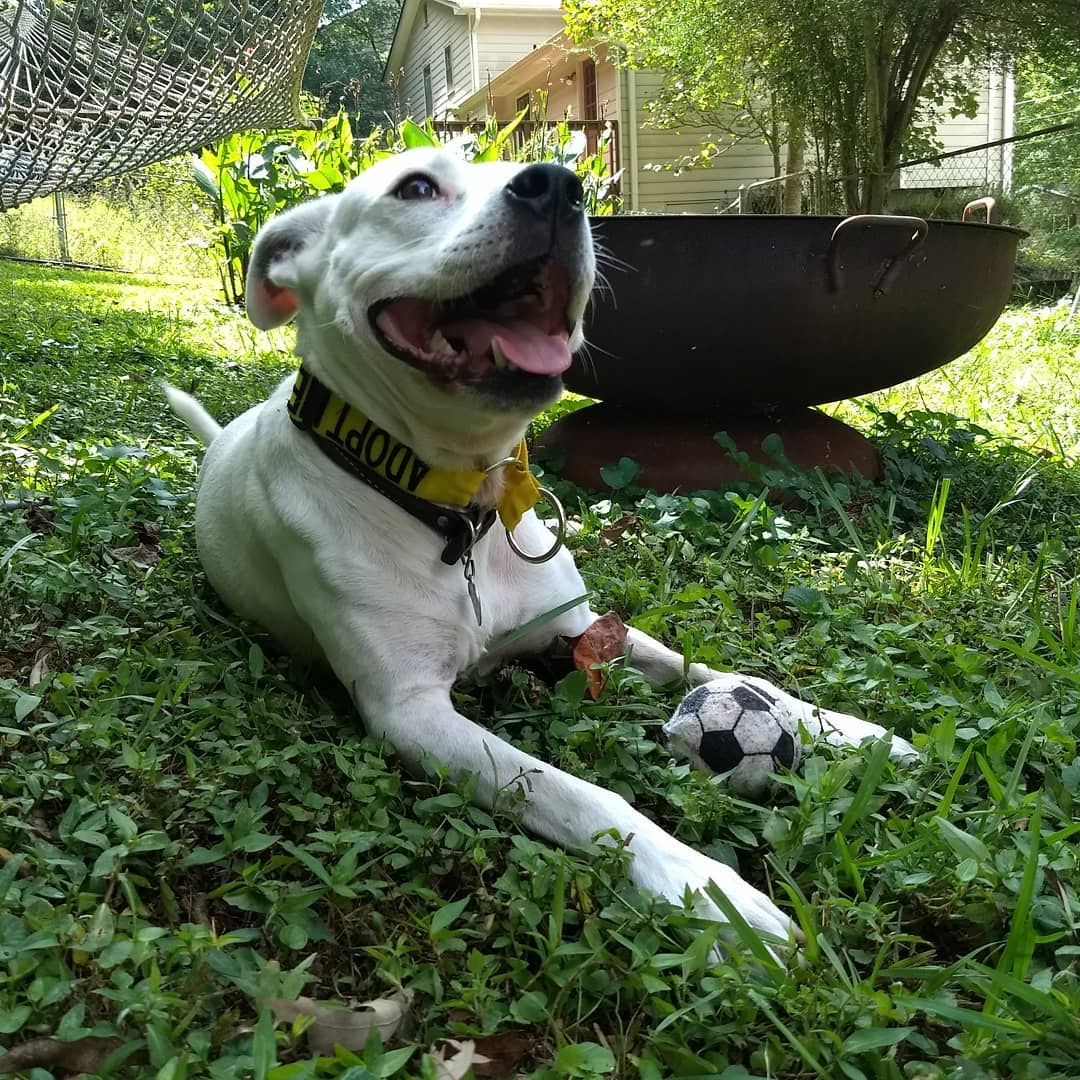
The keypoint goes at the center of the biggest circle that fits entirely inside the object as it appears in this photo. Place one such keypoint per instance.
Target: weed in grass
(191, 824)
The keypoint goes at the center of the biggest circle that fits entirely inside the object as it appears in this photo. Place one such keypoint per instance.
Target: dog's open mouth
(517, 322)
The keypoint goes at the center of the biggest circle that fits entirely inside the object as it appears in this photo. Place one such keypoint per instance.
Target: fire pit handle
(986, 204)
(915, 226)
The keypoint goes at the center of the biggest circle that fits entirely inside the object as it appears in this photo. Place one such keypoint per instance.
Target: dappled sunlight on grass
(1021, 382)
(148, 235)
(106, 338)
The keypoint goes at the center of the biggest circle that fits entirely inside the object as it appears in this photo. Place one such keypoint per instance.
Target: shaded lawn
(190, 823)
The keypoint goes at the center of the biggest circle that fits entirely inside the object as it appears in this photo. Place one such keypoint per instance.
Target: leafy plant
(253, 175)
(193, 826)
(846, 88)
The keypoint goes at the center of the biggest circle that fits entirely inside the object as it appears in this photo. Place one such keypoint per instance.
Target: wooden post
(61, 226)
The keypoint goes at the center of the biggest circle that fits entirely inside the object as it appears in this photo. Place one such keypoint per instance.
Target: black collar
(459, 528)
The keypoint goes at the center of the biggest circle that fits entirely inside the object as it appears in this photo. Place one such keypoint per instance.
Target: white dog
(437, 304)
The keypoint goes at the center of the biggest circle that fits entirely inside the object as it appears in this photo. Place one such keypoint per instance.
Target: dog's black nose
(549, 191)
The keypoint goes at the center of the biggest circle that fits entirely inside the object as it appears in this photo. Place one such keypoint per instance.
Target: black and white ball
(736, 729)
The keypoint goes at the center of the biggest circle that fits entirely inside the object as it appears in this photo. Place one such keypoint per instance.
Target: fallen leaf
(613, 533)
(39, 518)
(75, 1057)
(147, 533)
(604, 640)
(40, 668)
(145, 553)
(459, 1063)
(141, 555)
(37, 821)
(344, 1025)
(506, 1052)
(24, 870)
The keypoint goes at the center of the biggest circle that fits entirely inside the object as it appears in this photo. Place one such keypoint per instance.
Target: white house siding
(706, 189)
(984, 168)
(701, 189)
(607, 87)
(428, 46)
(502, 40)
(561, 79)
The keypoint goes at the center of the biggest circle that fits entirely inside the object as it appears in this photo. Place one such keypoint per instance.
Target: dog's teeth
(439, 344)
(500, 358)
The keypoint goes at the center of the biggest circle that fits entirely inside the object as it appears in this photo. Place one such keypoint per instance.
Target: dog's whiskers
(587, 362)
(603, 287)
(605, 258)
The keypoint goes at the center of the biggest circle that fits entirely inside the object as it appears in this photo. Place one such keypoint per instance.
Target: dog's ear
(270, 289)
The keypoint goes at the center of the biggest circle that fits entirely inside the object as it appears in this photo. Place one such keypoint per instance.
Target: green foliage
(142, 221)
(1048, 94)
(345, 66)
(191, 823)
(1046, 171)
(253, 175)
(867, 82)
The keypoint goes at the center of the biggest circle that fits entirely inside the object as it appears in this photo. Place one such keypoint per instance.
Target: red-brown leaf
(605, 640)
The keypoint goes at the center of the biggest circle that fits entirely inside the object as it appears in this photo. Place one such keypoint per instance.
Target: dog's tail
(192, 413)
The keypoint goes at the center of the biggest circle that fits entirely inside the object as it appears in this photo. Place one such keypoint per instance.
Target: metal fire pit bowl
(767, 312)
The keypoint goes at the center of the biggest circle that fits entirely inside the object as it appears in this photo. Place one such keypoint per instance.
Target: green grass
(152, 222)
(192, 824)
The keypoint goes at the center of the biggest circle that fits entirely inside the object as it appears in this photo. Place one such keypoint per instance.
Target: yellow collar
(366, 449)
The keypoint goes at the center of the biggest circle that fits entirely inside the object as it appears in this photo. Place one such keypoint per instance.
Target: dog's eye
(417, 187)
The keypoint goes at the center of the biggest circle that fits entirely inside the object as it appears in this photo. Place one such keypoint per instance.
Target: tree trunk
(848, 140)
(898, 99)
(877, 43)
(773, 140)
(876, 190)
(793, 167)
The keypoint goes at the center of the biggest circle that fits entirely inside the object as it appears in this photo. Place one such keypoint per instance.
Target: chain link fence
(153, 220)
(1032, 167)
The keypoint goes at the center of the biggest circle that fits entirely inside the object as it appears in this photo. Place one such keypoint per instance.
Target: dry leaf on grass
(604, 640)
(141, 555)
(68, 1058)
(463, 1058)
(146, 552)
(614, 532)
(147, 532)
(41, 666)
(39, 517)
(506, 1053)
(344, 1025)
(24, 870)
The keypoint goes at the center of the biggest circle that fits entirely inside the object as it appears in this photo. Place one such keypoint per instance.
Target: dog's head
(431, 279)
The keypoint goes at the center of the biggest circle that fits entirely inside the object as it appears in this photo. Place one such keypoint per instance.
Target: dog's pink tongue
(523, 344)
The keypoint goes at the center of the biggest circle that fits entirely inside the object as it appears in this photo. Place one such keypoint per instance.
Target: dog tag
(474, 596)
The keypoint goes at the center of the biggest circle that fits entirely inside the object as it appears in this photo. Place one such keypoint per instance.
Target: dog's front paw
(843, 730)
(668, 867)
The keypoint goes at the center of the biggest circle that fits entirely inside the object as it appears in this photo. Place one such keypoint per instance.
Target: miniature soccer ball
(735, 728)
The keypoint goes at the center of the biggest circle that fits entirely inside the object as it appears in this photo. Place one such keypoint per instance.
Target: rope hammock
(94, 88)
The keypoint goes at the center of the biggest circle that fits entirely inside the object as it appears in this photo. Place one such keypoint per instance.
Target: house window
(425, 15)
(522, 104)
(589, 109)
(449, 62)
(429, 101)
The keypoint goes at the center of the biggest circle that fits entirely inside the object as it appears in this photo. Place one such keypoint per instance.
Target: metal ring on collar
(472, 532)
(503, 462)
(466, 550)
(560, 535)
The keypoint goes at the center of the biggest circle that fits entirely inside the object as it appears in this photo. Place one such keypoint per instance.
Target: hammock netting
(97, 88)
